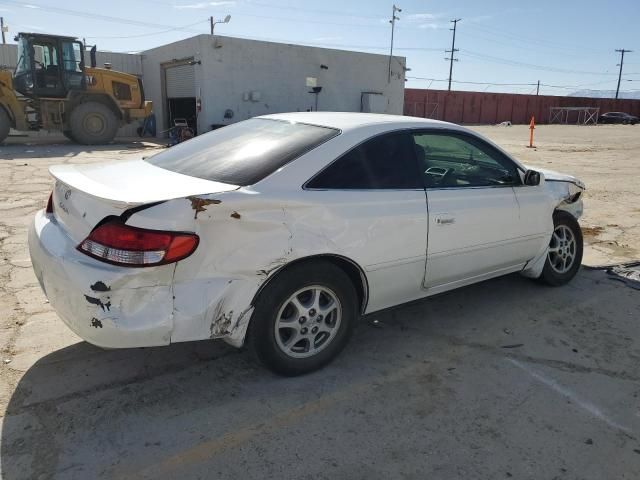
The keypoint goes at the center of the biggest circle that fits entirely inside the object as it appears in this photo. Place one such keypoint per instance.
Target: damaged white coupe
(282, 230)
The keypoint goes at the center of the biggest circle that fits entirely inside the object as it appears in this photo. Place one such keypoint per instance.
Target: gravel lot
(504, 379)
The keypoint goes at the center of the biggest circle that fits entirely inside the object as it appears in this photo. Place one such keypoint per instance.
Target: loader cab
(49, 65)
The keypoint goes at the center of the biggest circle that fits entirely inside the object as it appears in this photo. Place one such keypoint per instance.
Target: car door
(375, 209)
(475, 229)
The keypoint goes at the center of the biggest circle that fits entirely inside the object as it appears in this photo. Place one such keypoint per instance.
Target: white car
(283, 229)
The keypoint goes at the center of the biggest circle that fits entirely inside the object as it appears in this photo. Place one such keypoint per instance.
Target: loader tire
(93, 123)
(5, 125)
(69, 135)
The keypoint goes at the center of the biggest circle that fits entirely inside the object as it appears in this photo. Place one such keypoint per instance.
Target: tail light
(119, 244)
(49, 208)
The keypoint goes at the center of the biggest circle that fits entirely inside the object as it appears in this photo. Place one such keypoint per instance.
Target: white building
(233, 79)
(216, 80)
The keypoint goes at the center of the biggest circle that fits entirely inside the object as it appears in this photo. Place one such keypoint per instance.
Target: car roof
(352, 120)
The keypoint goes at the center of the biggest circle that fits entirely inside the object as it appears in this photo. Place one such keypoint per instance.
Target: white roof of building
(350, 120)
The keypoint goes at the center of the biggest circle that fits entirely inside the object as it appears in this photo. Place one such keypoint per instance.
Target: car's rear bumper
(106, 305)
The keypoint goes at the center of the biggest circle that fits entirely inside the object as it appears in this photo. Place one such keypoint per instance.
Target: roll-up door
(180, 81)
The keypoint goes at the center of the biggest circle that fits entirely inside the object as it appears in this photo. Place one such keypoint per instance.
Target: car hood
(553, 176)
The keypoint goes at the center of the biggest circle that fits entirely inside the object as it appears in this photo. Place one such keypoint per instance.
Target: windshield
(24, 56)
(243, 153)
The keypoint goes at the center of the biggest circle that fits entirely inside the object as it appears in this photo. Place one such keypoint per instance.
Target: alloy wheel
(308, 321)
(562, 249)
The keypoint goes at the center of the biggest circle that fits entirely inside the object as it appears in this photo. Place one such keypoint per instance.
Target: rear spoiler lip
(66, 175)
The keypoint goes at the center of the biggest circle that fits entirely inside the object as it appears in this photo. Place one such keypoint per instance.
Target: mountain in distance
(634, 95)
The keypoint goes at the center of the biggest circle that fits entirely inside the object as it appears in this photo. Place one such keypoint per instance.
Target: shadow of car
(206, 410)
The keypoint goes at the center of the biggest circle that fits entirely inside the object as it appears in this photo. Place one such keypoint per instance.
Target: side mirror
(532, 178)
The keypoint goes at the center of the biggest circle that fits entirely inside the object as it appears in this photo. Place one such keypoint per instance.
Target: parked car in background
(283, 229)
(618, 117)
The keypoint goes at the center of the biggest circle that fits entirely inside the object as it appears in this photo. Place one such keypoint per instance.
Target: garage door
(180, 81)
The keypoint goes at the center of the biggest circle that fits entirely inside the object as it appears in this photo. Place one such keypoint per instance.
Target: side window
(451, 160)
(45, 56)
(383, 162)
(121, 91)
(71, 56)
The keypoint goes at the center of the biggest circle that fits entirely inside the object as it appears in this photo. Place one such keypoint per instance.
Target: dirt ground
(607, 159)
(504, 379)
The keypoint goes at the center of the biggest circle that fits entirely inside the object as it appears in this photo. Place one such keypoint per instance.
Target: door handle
(445, 220)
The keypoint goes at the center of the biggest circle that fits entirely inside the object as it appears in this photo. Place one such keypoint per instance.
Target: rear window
(243, 153)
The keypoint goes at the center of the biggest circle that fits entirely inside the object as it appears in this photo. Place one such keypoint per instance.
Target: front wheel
(565, 250)
(303, 318)
(93, 123)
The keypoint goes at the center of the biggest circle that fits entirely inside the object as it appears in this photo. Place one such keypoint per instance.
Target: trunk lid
(83, 195)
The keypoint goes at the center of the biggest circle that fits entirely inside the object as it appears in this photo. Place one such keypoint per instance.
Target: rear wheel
(303, 318)
(565, 250)
(5, 125)
(93, 123)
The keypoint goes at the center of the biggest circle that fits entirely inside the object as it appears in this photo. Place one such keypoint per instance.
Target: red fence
(491, 108)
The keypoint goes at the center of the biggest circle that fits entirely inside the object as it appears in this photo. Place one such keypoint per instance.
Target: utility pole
(393, 26)
(211, 23)
(622, 52)
(2, 28)
(453, 50)
(538, 89)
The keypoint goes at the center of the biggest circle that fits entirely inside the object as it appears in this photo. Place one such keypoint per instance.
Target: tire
(93, 123)
(276, 318)
(565, 246)
(69, 135)
(5, 125)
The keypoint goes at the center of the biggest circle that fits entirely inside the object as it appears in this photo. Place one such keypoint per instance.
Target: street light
(213, 24)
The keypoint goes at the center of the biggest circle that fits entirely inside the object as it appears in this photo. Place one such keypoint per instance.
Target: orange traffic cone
(532, 126)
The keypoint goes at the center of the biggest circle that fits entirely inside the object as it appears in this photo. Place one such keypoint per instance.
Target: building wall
(492, 108)
(231, 68)
(123, 62)
(153, 73)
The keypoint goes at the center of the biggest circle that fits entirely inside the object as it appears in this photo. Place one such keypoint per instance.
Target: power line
(473, 83)
(453, 50)
(503, 84)
(336, 13)
(622, 52)
(528, 41)
(91, 15)
(153, 33)
(517, 63)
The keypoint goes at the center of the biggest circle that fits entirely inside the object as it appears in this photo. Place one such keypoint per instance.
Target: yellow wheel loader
(52, 89)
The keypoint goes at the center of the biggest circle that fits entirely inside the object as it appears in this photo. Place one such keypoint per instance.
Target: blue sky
(567, 45)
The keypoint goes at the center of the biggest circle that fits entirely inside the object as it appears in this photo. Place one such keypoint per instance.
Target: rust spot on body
(100, 287)
(96, 301)
(95, 323)
(198, 204)
(236, 215)
(221, 321)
